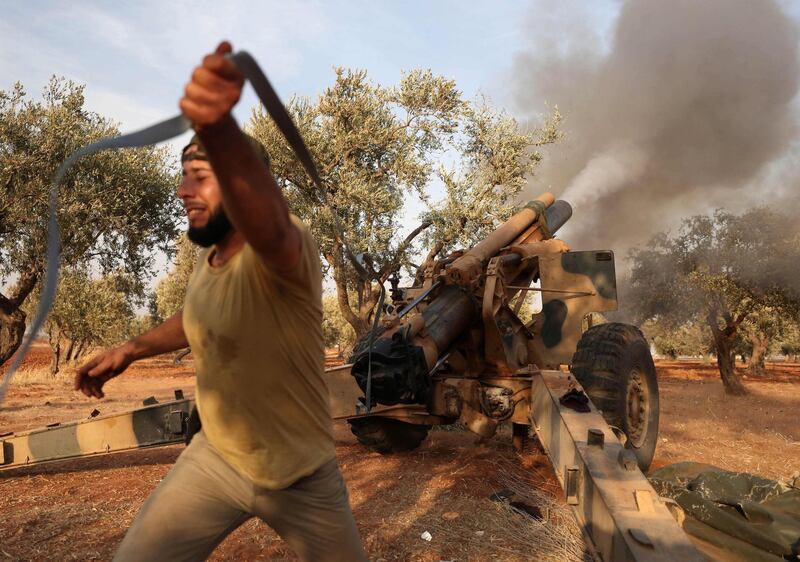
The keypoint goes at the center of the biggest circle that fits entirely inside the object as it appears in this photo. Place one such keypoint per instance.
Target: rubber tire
(387, 436)
(606, 356)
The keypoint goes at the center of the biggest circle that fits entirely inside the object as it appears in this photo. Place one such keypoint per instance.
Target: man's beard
(214, 231)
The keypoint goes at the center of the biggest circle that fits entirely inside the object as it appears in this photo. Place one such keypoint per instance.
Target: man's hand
(215, 87)
(91, 376)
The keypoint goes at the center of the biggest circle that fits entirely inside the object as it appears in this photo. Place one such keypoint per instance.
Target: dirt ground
(79, 510)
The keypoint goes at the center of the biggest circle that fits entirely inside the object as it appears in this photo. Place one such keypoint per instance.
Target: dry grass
(512, 534)
(40, 374)
(34, 375)
(60, 512)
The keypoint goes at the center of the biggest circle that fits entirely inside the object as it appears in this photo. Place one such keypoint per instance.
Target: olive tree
(722, 270)
(672, 340)
(88, 312)
(335, 329)
(115, 209)
(498, 158)
(790, 342)
(376, 148)
(171, 290)
(763, 330)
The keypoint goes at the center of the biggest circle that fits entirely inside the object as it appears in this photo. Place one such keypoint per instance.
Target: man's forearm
(166, 337)
(252, 199)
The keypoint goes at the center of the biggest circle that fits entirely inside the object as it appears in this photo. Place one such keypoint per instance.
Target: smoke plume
(684, 109)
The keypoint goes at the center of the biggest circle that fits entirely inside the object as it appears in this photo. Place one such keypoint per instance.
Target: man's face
(199, 191)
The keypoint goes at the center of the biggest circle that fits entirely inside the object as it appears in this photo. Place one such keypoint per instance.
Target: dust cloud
(686, 106)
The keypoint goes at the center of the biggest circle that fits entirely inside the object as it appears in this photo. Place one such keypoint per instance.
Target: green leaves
(735, 266)
(379, 147)
(373, 146)
(95, 311)
(335, 329)
(497, 160)
(171, 291)
(115, 208)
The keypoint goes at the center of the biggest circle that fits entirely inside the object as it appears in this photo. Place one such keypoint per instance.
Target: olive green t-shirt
(256, 337)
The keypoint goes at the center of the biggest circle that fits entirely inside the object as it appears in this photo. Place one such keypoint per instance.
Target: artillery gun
(454, 349)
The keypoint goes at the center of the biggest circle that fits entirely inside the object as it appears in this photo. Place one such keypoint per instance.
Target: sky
(135, 57)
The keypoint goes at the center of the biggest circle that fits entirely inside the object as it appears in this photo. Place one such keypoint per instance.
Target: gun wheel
(615, 368)
(638, 407)
(386, 435)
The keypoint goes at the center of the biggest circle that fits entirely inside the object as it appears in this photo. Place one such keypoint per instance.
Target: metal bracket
(572, 480)
(175, 422)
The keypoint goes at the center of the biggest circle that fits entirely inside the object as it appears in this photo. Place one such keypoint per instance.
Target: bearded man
(253, 318)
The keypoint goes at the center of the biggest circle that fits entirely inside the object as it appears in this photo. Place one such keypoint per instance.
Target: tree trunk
(77, 351)
(368, 297)
(12, 329)
(336, 261)
(756, 366)
(727, 368)
(54, 337)
(80, 350)
(429, 260)
(12, 318)
(70, 349)
(726, 357)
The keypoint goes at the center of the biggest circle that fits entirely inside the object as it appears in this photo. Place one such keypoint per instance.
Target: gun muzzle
(557, 215)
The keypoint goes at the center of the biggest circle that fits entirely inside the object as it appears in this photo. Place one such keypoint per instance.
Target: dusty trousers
(203, 499)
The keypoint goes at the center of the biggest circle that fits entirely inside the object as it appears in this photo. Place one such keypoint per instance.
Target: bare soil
(758, 433)
(79, 510)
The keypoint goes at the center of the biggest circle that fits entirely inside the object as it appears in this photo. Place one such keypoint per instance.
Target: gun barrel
(510, 229)
(472, 262)
(403, 358)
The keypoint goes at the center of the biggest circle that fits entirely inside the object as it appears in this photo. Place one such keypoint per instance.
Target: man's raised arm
(250, 196)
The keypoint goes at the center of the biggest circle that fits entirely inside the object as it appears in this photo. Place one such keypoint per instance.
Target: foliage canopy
(116, 209)
(726, 271)
(376, 147)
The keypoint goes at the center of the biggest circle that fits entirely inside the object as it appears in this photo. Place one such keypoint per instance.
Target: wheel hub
(638, 401)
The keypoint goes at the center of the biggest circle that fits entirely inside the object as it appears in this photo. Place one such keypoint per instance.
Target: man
(253, 318)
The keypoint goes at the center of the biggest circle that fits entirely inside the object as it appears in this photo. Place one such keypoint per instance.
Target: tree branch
(391, 265)
(713, 311)
(26, 284)
(434, 251)
(740, 318)
(6, 305)
(336, 260)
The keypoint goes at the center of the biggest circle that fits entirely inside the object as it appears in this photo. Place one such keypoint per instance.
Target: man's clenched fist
(215, 87)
